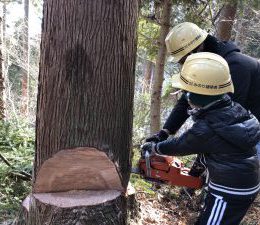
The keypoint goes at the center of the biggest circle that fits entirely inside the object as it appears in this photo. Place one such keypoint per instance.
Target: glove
(162, 135)
(148, 147)
(197, 168)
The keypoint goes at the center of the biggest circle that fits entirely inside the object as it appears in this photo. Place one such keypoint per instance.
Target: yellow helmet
(184, 38)
(204, 73)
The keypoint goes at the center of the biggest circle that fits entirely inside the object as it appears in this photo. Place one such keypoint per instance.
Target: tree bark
(85, 99)
(25, 67)
(226, 21)
(2, 72)
(157, 80)
(148, 71)
(4, 22)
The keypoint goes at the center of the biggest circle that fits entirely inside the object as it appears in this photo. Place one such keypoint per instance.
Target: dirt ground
(165, 208)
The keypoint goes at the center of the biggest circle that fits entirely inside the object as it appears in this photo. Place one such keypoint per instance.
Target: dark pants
(220, 210)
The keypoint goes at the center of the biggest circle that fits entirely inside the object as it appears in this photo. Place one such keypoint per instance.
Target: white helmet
(184, 38)
(204, 73)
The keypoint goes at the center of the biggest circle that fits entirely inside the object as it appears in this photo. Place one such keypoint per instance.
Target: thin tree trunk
(148, 71)
(5, 52)
(25, 68)
(159, 68)
(4, 21)
(2, 72)
(85, 106)
(226, 21)
(243, 27)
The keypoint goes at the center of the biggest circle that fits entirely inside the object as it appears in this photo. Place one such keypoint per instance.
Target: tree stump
(78, 186)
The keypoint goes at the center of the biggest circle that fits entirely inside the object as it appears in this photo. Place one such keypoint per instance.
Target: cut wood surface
(81, 168)
(72, 199)
(26, 203)
(75, 208)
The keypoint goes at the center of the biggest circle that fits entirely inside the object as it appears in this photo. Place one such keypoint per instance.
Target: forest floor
(169, 207)
(165, 205)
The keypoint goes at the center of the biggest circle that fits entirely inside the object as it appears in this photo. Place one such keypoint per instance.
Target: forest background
(20, 38)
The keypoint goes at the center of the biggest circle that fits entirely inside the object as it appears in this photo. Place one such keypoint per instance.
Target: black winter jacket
(224, 135)
(245, 73)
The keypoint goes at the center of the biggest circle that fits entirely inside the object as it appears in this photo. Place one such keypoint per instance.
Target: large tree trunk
(25, 67)
(159, 68)
(2, 72)
(226, 21)
(84, 112)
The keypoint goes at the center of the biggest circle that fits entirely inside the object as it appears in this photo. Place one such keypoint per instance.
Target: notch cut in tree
(77, 169)
(85, 99)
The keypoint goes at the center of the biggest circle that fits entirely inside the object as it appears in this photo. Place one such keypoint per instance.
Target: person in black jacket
(182, 41)
(224, 136)
(187, 38)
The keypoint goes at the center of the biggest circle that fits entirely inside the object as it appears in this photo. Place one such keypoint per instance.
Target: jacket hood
(231, 122)
(222, 48)
(227, 47)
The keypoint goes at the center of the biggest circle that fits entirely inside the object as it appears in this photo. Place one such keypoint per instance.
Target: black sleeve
(178, 116)
(254, 94)
(187, 144)
(196, 140)
(241, 77)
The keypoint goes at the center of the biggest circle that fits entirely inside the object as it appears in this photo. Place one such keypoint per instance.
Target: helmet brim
(174, 59)
(176, 81)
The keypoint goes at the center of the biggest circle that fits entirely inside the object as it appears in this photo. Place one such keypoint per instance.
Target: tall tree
(4, 21)
(157, 80)
(148, 71)
(226, 20)
(25, 67)
(2, 71)
(84, 112)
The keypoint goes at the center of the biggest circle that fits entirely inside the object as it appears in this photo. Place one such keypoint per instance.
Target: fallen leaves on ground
(169, 207)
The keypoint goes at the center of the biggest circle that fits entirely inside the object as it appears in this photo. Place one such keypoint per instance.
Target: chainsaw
(166, 169)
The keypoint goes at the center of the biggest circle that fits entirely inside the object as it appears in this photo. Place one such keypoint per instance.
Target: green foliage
(141, 117)
(148, 34)
(253, 48)
(38, 4)
(139, 183)
(199, 14)
(16, 146)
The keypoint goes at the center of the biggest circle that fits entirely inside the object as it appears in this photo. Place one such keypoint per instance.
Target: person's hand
(162, 135)
(148, 147)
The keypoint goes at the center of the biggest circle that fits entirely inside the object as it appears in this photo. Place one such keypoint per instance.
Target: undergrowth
(16, 149)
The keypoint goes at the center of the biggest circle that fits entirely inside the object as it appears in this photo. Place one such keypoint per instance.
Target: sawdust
(163, 209)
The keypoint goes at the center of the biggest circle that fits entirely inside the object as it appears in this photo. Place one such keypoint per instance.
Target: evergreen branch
(150, 19)
(5, 161)
(21, 174)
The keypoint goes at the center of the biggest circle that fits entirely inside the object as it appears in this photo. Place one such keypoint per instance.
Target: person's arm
(194, 141)
(241, 77)
(178, 116)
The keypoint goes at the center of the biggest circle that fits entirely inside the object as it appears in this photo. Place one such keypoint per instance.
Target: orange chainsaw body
(170, 170)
